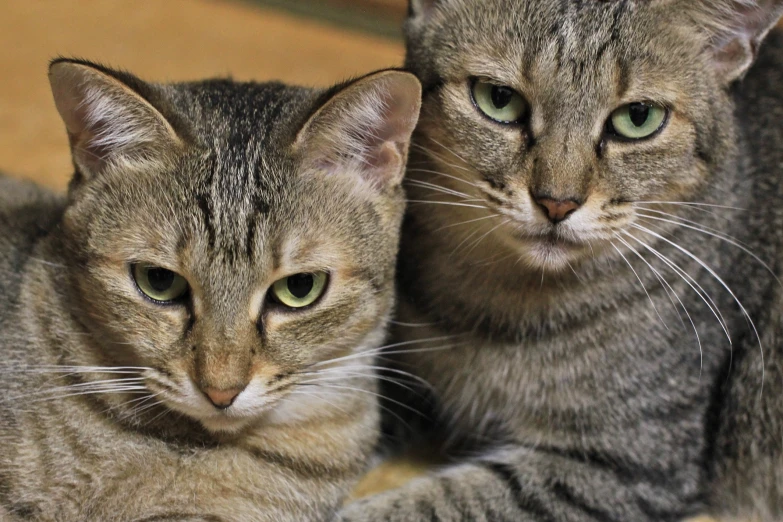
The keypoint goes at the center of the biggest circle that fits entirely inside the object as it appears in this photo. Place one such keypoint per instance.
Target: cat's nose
(557, 210)
(222, 399)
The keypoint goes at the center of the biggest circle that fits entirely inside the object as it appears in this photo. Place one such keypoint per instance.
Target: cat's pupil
(160, 279)
(501, 97)
(639, 113)
(300, 285)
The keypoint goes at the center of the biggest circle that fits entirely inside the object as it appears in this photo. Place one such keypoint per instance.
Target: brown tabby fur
(233, 186)
(625, 363)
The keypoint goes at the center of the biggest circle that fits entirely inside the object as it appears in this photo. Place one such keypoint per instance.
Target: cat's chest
(562, 381)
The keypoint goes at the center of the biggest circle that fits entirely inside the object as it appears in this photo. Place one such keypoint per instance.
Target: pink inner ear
(389, 135)
(98, 126)
(384, 161)
(734, 55)
(739, 34)
(69, 88)
(106, 119)
(365, 129)
(84, 135)
(422, 7)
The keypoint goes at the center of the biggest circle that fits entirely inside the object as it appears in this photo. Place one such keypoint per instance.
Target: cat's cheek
(461, 139)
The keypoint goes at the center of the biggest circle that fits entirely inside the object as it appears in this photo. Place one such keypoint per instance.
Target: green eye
(502, 104)
(158, 283)
(299, 290)
(636, 121)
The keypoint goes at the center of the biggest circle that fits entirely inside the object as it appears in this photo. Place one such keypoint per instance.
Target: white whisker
(411, 325)
(644, 288)
(449, 203)
(382, 349)
(479, 240)
(689, 203)
(337, 369)
(369, 392)
(719, 235)
(353, 375)
(436, 187)
(661, 280)
(119, 389)
(691, 281)
(71, 369)
(722, 283)
(439, 157)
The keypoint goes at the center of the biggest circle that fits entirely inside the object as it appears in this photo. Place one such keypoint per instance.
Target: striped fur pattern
(105, 412)
(625, 363)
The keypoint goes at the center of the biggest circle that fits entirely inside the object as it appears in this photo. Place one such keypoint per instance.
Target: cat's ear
(108, 121)
(736, 28)
(419, 8)
(364, 129)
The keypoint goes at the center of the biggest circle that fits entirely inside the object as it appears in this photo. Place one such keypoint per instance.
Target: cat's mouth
(182, 395)
(551, 239)
(549, 250)
(224, 423)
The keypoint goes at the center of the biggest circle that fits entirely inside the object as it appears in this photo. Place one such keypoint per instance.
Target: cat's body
(121, 405)
(579, 394)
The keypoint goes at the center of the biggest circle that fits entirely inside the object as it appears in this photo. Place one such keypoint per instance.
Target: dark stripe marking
(568, 496)
(525, 500)
(206, 210)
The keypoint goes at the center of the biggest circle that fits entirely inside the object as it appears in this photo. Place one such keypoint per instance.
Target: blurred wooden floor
(162, 41)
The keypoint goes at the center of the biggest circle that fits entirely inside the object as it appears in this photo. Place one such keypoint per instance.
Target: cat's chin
(548, 253)
(553, 258)
(224, 424)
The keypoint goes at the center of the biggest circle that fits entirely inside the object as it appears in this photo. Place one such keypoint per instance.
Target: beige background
(165, 40)
(159, 40)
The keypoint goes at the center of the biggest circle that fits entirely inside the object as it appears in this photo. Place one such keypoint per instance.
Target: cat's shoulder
(15, 191)
(26, 210)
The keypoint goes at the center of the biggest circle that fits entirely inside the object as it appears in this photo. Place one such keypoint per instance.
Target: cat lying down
(190, 333)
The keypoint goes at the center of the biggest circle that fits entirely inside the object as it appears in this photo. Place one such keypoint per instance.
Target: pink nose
(222, 398)
(557, 210)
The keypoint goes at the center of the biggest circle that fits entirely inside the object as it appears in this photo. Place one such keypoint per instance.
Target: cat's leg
(527, 485)
(748, 475)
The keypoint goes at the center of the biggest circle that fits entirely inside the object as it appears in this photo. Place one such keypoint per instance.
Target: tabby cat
(189, 335)
(590, 268)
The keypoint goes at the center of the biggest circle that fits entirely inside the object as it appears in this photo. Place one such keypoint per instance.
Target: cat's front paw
(389, 507)
(370, 510)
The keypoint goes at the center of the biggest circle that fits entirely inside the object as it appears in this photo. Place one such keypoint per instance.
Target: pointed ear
(417, 8)
(364, 129)
(108, 121)
(737, 28)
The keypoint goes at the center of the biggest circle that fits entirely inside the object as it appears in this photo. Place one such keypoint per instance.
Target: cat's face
(564, 118)
(246, 254)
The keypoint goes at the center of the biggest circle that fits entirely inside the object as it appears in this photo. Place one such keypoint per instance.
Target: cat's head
(563, 118)
(230, 237)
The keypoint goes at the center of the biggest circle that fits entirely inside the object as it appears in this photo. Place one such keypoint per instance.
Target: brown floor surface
(162, 40)
(159, 40)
